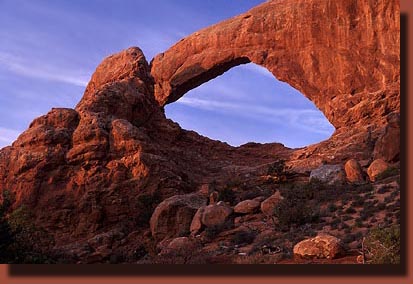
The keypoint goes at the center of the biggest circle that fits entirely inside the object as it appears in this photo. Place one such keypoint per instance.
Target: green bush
(295, 211)
(350, 210)
(212, 232)
(382, 245)
(227, 195)
(389, 172)
(332, 207)
(244, 237)
(6, 233)
(277, 168)
(146, 204)
(20, 241)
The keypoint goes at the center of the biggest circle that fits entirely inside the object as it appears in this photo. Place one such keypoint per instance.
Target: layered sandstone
(342, 55)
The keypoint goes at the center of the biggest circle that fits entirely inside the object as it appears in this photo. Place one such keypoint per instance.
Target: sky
(49, 50)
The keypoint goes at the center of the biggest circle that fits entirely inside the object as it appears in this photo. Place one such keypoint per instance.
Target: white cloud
(258, 69)
(32, 69)
(306, 119)
(7, 136)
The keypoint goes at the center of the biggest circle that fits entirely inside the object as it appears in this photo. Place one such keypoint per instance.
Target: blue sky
(49, 49)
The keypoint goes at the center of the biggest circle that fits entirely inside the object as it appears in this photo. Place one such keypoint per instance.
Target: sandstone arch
(342, 55)
(83, 172)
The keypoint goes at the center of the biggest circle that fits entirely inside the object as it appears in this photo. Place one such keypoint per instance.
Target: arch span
(342, 55)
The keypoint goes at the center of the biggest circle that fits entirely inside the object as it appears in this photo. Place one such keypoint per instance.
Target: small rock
(360, 259)
(376, 168)
(353, 171)
(247, 206)
(321, 246)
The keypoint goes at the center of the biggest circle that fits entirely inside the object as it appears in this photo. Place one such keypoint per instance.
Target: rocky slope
(92, 176)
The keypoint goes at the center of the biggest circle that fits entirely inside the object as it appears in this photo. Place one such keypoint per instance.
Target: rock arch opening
(248, 104)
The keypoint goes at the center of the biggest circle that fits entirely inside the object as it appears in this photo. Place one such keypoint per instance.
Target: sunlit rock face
(103, 167)
(342, 55)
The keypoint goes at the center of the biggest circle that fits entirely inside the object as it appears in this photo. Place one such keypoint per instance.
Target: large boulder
(269, 204)
(353, 170)
(376, 168)
(174, 215)
(321, 246)
(328, 173)
(216, 215)
(212, 216)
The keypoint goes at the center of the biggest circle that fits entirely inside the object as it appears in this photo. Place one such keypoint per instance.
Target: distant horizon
(51, 49)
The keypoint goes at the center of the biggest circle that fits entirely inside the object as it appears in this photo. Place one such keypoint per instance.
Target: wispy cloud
(307, 119)
(7, 136)
(257, 69)
(32, 69)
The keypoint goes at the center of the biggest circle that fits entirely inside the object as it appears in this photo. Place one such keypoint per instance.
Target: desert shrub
(146, 204)
(368, 211)
(186, 255)
(350, 210)
(381, 206)
(383, 189)
(389, 172)
(244, 237)
(20, 240)
(213, 231)
(30, 241)
(227, 195)
(348, 238)
(388, 199)
(301, 203)
(20, 219)
(358, 202)
(382, 245)
(277, 168)
(6, 234)
(347, 230)
(358, 222)
(394, 194)
(256, 192)
(295, 211)
(332, 207)
(258, 259)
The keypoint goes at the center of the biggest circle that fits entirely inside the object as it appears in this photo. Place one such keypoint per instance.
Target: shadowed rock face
(108, 163)
(342, 55)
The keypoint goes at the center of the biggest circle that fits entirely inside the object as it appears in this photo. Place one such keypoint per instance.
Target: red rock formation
(107, 164)
(342, 55)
